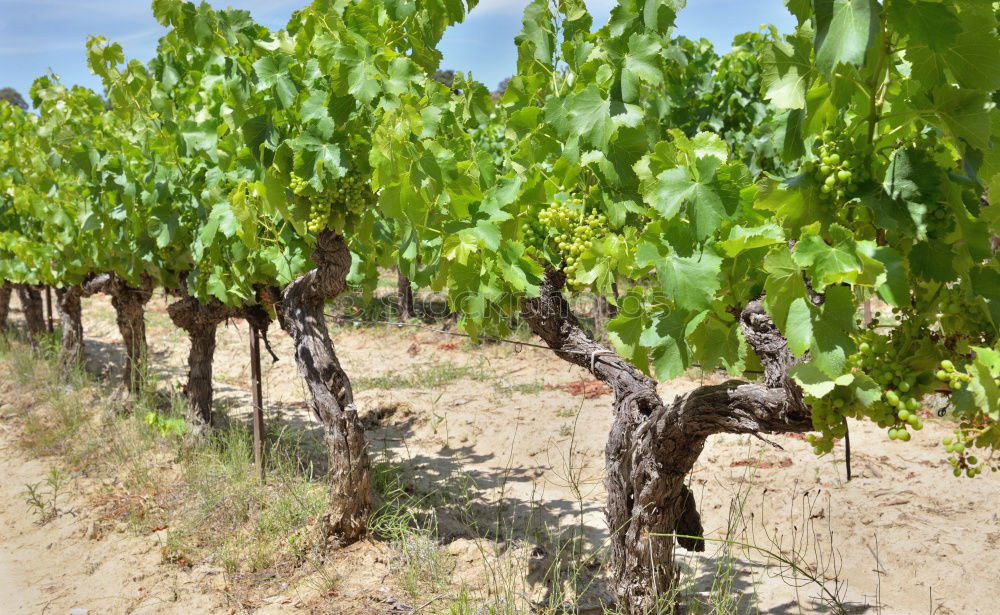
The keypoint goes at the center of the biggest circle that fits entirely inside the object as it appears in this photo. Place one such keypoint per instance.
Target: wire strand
(593, 355)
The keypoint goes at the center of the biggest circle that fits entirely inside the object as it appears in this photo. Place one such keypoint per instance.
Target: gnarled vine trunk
(34, 316)
(130, 311)
(404, 296)
(5, 290)
(71, 317)
(201, 321)
(300, 313)
(652, 446)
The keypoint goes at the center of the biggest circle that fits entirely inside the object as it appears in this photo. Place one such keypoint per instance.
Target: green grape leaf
(932, 260)
(784, 284)
(962, 113)
(589, 115)
(626, 329)
(788, 72)
(828, 264)
(690, 281)
(934, 24)
(844, 31)
(716, 343)
(984, 389)
(985, 282)
(971, 59)
(812, 380)
(895, 288)
(832, 342)
(666, 335)
(640, 65)
(798, 326)
(742, 239)
(866, 391)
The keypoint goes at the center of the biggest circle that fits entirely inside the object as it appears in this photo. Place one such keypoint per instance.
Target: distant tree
(447, 77)
(13, 97)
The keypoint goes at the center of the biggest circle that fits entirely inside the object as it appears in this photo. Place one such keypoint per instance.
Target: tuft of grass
(44, 503)
(420, 564)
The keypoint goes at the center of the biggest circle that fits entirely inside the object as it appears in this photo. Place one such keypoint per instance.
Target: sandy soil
(903, 536)
(62, 565)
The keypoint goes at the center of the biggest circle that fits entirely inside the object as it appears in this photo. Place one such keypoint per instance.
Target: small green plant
(167, 426)
(44, 502)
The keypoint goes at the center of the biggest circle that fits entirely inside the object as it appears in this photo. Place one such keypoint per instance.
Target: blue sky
(36, 35)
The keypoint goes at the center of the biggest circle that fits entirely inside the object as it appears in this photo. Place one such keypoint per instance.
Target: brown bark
(130, 307)
(70, 315)
(31, 306)
(404, 295)
(48, 310)
(300, 313)
(201, 321)
(652, 446)
(5, 290)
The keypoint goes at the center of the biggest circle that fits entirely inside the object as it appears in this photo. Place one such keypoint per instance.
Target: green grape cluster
(963, 462)
(569, 230)
(937, 220)
(929, 143)
(884, 359)
(299, 185)
(204, 270)
(839, 170)
(828, 414)
(947, 373)
(902, 387)
(346, 198)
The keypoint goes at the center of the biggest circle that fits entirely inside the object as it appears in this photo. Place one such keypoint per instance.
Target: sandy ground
(61, 565)
(904, 536)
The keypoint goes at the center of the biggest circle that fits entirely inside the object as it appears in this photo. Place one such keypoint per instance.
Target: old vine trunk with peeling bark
(5, 290)
(652, 446)
(33, 309)
(130, 313)
(300, 313)
(71, 318)
(201, 321)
